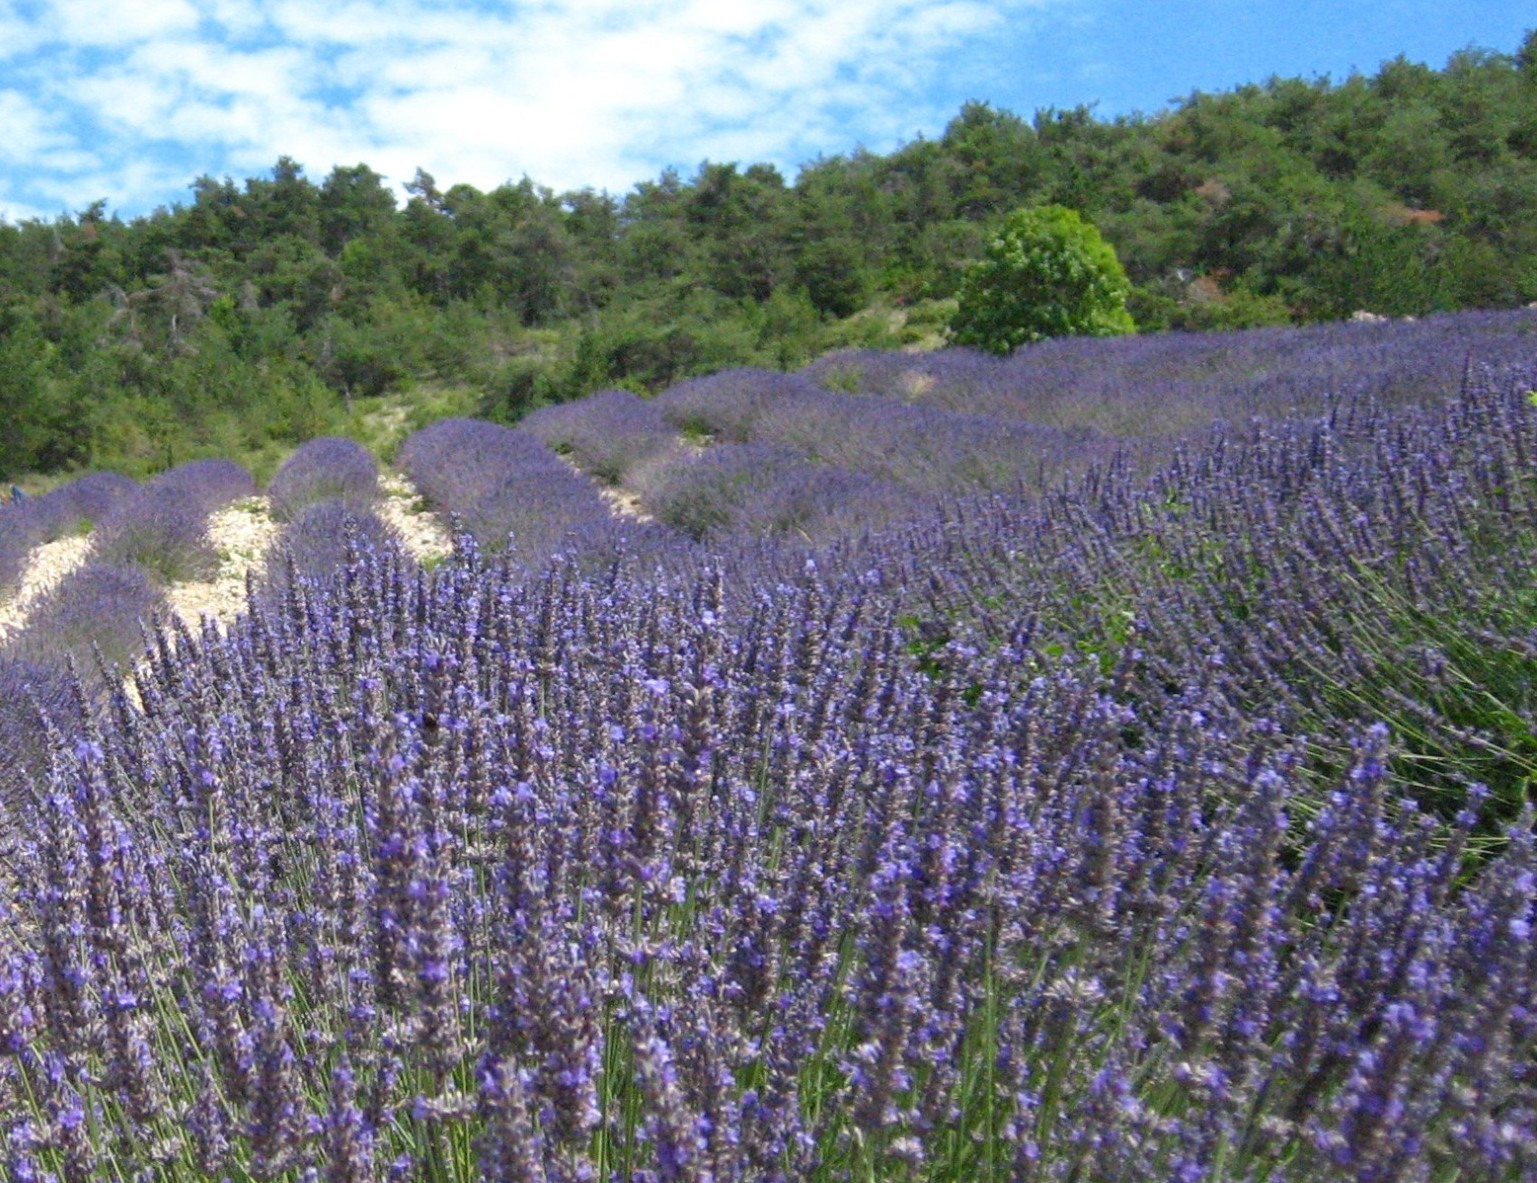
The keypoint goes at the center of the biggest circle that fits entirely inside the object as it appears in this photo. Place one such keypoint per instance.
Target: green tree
(1047, 273)
(46, 426)
(354, 203)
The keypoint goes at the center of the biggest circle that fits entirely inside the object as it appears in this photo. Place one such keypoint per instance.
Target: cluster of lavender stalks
(851, 867)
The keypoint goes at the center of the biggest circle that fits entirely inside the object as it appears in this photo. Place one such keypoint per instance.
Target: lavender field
(1110, 763)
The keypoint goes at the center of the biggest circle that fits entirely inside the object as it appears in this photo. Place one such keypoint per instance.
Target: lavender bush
(32, 698)
(1148, 830)
(210, 484)
(320, 541)
(925, 449)
(325, 469)
(69, 509)
(503, 485)
(90, 497)
(605, 435)
(755, 490)
(162, 527)
(163, 531)
(95, 617)
(1165, 386)
(602, 880)
(725, 406)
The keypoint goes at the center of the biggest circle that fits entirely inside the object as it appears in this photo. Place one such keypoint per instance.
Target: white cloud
(570, 92)
(111, 22)
(27, 131)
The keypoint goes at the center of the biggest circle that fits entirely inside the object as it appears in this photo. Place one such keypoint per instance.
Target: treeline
(263, 313)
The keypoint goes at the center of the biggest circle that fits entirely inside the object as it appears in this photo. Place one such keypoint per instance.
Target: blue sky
(128, 101)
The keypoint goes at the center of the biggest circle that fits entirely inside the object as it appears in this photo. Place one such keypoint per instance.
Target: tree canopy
(1046, 273)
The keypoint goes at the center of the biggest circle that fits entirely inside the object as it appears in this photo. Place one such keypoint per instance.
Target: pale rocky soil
(46, 567)
(425, 537)
(624, 502)
(241, 533)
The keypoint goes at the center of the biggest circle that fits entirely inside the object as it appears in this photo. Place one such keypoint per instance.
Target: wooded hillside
(265, 312)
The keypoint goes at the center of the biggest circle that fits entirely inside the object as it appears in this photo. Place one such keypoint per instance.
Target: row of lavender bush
(326, 497)
(589, 880)
(863, 440)
(143, 539)
(900, 444)
(611, 435)
(731, 490)
(1165, 386)
(1045, 839)
(513, 494)
(1367, 566)
(70, 509)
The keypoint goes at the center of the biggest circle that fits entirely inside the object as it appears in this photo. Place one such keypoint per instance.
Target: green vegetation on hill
(261, 314)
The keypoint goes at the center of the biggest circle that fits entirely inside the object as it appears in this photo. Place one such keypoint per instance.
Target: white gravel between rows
(241, 533)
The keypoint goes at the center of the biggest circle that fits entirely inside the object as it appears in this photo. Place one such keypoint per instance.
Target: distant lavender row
(919, 447)
(143, 539)
(208, 484)
(607, 435)
(1171, 384)
(752, 490)
(325, 493)
(162, 527)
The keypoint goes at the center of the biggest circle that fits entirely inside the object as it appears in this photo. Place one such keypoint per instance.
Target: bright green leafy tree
(1047, 273)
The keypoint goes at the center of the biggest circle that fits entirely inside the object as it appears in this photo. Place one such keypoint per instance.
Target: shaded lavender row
(162, 527)
(729, 490)
(749, 491)
(144, 538)
(325, 494)
(208, 484)
(315, 547)
(919, 447)
(69, 509)
(593, 878)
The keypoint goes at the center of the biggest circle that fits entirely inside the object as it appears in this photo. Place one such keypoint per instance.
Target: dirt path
(241, 533)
